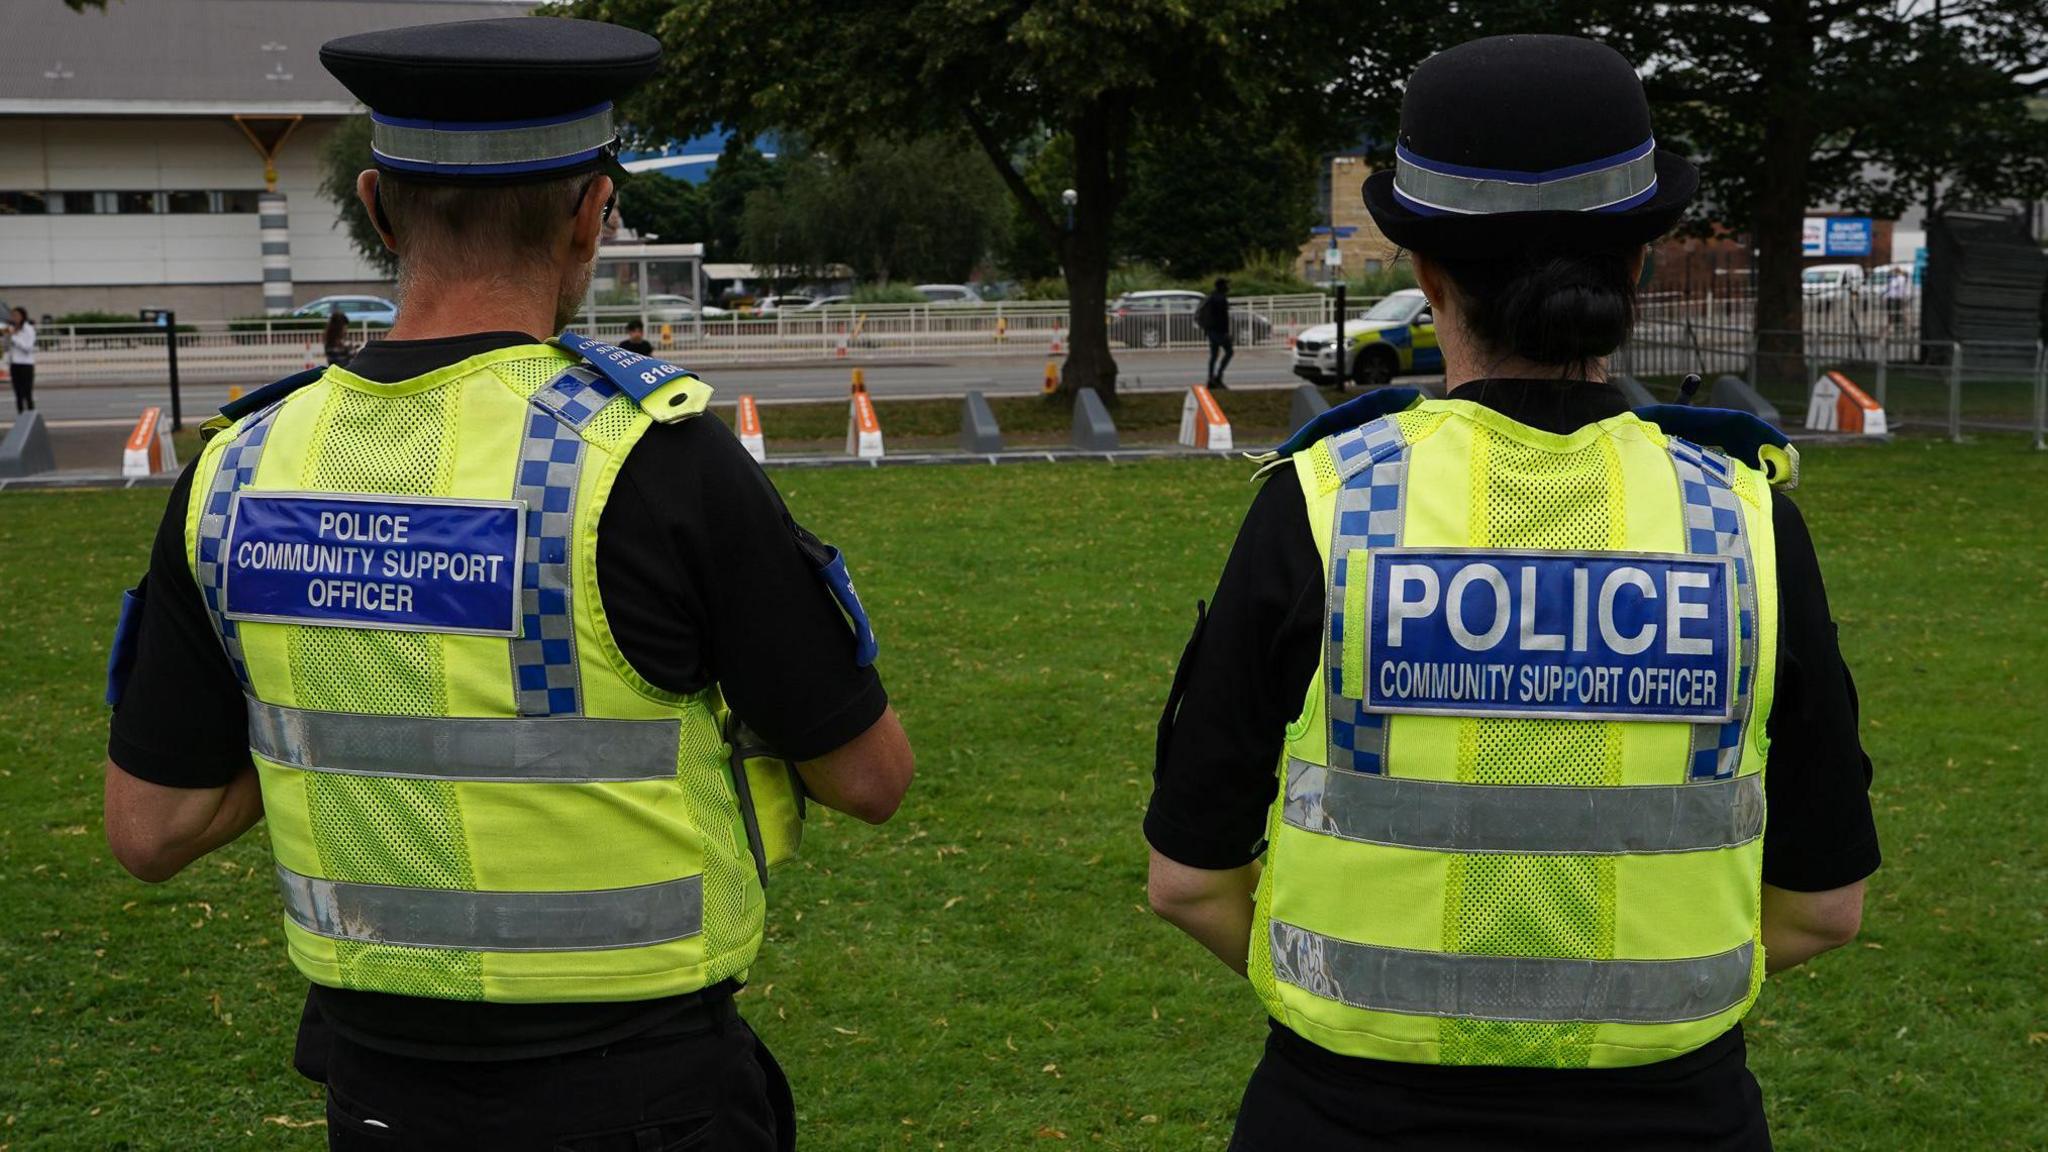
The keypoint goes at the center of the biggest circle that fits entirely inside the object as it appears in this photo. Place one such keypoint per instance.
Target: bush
(114, 323)
(1388, 280)
(887, 293)
(1268, 274)
(289, 324)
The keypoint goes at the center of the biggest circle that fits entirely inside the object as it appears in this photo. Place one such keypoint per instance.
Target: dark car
(1155, 319)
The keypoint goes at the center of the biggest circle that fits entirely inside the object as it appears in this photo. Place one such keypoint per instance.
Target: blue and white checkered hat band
(1609, 184)
(494, 148)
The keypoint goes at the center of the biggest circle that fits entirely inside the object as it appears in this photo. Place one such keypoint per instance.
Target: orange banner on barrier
(145, 430)
(750, 417)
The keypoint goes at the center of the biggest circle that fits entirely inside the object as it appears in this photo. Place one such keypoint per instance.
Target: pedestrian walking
(1466, 767)
(21, 358)
(1897, 287)
(1212, 316)
(528, 729)
(336, 337)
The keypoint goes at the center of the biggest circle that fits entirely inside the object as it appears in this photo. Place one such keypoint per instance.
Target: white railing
(252, 352)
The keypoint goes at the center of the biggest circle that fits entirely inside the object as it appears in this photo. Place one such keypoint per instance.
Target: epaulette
(665, 392)
(1738, 435)
(1348, 415)
(256, 401)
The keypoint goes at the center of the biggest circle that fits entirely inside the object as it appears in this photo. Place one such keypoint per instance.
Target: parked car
(948, 293)
(1827, 283)
(1395, 336)
(358, 309)
(671, 306)
(1154, 319)
(770, 305)
(823, 302)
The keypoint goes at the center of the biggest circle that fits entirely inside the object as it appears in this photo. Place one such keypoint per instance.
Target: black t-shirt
(1247, 669)
(641, 346)
(704, 578)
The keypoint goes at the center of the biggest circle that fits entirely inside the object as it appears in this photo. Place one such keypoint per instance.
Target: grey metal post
(2040, 396)
(1884, 359)
(1955, 391)
(1755, 347)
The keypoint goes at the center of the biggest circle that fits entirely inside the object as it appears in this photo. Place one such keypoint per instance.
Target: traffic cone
(234, 392)
(1056, 347)
(1052, 377)
(860, 383)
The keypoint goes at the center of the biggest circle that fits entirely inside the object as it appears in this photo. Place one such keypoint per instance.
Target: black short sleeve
(1819, 833)
(1241, 681)
(704, 579)
(181, 722)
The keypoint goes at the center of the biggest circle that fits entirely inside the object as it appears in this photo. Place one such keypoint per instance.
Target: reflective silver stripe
(1472, 195)
(495, 921)
(1525, 819)
(455, 145)
(561, 749)
(1516, 988)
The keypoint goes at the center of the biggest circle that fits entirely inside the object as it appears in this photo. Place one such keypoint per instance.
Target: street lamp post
(1069, 198)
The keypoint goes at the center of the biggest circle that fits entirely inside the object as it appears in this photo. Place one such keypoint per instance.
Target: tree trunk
(1778, 220)
(1084, 259)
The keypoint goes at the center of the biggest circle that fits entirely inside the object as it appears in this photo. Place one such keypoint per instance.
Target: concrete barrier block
(1306, 404)
(1735, 392)
(26, 450)
(978, 429)
(1633, 393)
(1094, 431)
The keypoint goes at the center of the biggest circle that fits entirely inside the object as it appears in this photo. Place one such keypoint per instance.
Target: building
(1363, 247)
(166, 154)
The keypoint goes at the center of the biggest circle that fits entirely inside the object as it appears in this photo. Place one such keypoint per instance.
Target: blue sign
(1849, 236)
(1563, 635)
(408, 563)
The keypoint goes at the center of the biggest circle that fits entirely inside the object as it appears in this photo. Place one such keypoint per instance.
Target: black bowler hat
(493, 101)
(1527, 143)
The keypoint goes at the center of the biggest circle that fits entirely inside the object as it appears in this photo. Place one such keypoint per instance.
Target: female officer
(1531, 668)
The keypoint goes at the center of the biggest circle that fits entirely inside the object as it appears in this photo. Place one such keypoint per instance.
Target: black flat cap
(493, 101)
(1519, 143)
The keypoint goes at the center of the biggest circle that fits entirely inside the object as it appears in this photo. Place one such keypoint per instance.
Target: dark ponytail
(1561, 310)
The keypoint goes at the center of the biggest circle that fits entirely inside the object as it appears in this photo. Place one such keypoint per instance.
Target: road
(118, 404)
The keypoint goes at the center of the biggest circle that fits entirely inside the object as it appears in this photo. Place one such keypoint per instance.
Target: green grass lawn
(982, 973)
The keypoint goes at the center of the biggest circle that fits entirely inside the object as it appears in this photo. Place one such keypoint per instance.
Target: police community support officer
(1537, 665)
(462, 621)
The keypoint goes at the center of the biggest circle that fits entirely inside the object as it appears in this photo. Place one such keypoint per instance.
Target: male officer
(463, 621)
(1529, 667)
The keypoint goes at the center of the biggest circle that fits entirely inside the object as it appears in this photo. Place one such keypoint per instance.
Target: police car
(1395, 336)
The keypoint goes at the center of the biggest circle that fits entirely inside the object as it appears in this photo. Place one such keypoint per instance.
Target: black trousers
(1227, 344)
(707, 1083)
(1301, 1097)
(24, 378)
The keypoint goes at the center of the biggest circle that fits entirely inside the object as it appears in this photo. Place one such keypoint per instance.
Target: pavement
(767, 383)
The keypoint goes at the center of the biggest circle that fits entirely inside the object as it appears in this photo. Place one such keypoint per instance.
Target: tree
(1004, 71)
(741, 171)
(921, 210)
(345, 154)
(1792, 104)
(654, 204)
(1209, 199)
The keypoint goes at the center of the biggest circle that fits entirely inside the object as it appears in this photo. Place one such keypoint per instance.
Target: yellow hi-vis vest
(1520, 819)
(470, 793)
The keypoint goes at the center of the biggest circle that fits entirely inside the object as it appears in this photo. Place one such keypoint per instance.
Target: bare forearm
(1797, 926)
(868, 776)
(1214, 907)
(156, 831)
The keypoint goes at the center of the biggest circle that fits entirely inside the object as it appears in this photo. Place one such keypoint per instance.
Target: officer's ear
(366, 191)
(592, 207)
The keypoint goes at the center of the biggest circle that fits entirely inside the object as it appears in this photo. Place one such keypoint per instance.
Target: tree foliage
(922, 210)
(661, 206)
(345, 154)
(1214, 197)
(1005, 72)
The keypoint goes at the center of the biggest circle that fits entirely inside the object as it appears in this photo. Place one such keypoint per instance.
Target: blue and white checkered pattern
(237, 467)
(576, 396)
(545, 674)
(1372, 461)
(1714, 527)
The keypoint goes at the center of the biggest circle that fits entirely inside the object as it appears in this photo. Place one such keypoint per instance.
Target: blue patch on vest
(833, 573)
(1578, 636)
(410, 563)
(636, 375)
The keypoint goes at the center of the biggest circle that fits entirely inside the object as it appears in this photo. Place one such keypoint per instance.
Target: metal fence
(245, 353)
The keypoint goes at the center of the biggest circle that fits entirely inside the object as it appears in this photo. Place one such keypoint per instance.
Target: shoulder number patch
(1561, 635)
(404, 563)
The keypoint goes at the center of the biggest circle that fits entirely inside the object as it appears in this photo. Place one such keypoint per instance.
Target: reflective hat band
(492, 148)
(1611, 184)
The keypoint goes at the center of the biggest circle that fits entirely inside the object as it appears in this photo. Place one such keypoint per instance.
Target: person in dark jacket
(1213, 317)
(336, 338)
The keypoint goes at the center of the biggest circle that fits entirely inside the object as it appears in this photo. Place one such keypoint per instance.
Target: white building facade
(133, 167)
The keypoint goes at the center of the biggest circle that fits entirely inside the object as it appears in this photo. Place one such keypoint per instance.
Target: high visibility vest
(1520, 816)
(470, 793)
